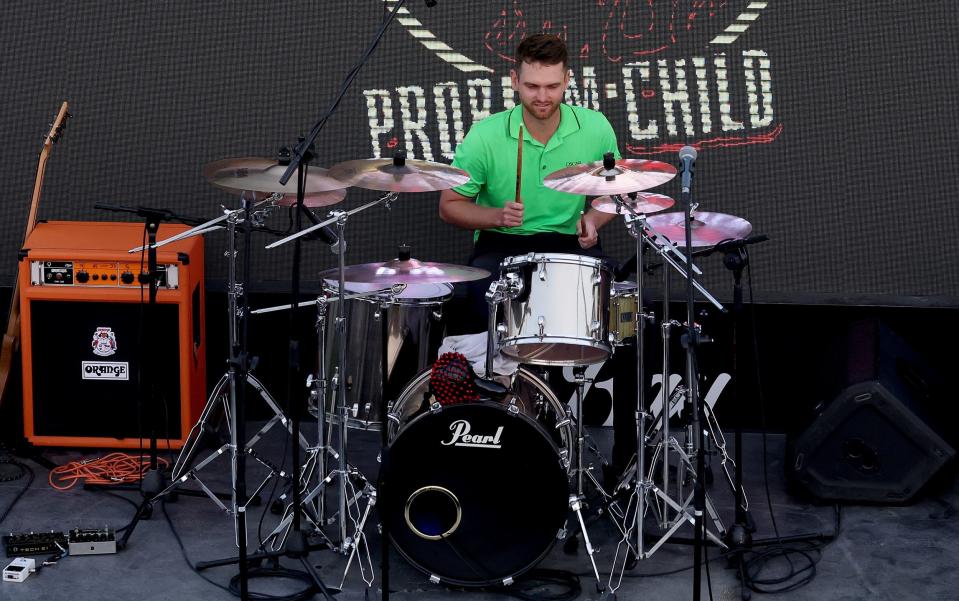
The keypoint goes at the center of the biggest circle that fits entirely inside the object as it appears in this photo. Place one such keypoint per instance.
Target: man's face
(540, 87)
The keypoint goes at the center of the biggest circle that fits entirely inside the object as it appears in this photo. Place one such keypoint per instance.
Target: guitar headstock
(59, 124)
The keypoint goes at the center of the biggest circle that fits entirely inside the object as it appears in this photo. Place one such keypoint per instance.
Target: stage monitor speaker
(874, 441)
(84, 336)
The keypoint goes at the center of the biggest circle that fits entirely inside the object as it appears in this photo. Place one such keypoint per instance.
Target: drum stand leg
(576, 499)
(225, 390)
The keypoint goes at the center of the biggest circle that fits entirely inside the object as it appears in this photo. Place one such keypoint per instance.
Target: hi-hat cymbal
(409, 271)
(261, 178)
(398, 175)
(603, 178)
(644, 203)
(708, 229)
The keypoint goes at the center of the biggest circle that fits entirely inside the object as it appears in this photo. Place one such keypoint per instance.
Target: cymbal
(708, 229)
(644, 203)
(312, 201)
(409, 271)
(620, 177)
(261, 177)
(398, 175)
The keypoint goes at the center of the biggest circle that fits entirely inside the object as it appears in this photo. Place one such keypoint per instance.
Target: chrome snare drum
(557, 310)
(415, 330)
(479, 490)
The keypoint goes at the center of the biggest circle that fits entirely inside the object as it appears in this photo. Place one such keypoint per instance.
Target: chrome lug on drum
(478, 491)
(560, 314)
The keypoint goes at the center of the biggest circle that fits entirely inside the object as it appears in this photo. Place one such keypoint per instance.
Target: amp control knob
(83, 277)
(126, 277)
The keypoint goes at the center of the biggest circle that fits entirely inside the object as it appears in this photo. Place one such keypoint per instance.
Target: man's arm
(461, 211)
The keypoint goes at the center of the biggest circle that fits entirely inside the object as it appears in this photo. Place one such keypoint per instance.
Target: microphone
(687, 158)
(325, 234)
(728, 245)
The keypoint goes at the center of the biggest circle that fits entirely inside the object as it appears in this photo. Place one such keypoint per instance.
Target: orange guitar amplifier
(85, 333)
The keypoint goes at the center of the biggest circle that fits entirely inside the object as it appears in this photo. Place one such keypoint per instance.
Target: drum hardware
(395, 175)
(671, 514)
(639, 203)
(343, 472)
(226, 394)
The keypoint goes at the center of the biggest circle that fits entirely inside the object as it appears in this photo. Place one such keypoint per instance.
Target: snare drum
(415, 332)
(477, 491)
(622, 312)
(558, 310)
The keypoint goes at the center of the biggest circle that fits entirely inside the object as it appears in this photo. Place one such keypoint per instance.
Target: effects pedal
(34, 543)
(19, 569)
(92, 541)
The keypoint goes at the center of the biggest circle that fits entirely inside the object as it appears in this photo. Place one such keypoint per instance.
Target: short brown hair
(543, 48)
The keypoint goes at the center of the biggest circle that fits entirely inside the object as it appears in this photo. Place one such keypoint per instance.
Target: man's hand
(588, 237)
(511, 215)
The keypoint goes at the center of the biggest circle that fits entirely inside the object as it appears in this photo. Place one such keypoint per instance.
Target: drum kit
(477, 491)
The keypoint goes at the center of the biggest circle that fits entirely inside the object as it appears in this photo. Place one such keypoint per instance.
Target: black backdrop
(827, 125)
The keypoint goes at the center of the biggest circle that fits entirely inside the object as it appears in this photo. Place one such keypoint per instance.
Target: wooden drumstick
(519, 166)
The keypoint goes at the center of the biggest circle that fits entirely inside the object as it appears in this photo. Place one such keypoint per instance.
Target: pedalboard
(89, 541)
(34, 543)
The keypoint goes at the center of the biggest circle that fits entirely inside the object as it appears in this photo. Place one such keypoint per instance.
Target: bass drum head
(475, 493)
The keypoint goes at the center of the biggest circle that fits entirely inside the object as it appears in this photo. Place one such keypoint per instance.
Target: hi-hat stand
(671, 514)
(344, 475)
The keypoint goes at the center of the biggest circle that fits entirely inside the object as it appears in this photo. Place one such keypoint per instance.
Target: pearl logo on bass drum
(461, 437)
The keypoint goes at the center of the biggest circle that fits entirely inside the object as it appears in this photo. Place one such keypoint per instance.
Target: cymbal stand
(343, 472)
(224, 393)
(643, 481)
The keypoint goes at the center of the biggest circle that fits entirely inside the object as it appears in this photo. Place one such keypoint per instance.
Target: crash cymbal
(644, 203)
(409, 271)
(708, 229)
(261, 177)
(608, 177)
(398, 175)
(312, 201)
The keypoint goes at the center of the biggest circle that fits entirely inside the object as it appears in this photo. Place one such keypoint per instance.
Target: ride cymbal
(398, 174)
(408, 271)
(644, 203)
(708, 229)
(608, 177)
(261, 177)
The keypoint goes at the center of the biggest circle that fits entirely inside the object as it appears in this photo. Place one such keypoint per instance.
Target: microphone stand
(691, 340)
(153, 481)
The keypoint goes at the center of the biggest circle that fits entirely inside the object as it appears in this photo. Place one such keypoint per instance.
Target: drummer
(556, 135)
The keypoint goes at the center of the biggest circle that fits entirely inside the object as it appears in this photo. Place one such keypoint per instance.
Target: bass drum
(476, 493)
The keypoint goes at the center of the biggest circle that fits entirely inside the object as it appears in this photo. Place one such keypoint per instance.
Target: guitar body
(11, 337)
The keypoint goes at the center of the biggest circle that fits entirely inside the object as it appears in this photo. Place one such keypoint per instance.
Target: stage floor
(880, 552)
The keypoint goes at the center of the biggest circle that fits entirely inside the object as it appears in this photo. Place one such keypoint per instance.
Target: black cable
(537, 579)
(802, 557)
(29, 471)
(233, 587)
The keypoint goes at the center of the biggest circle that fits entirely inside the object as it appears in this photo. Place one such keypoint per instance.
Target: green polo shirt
(488, 154)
